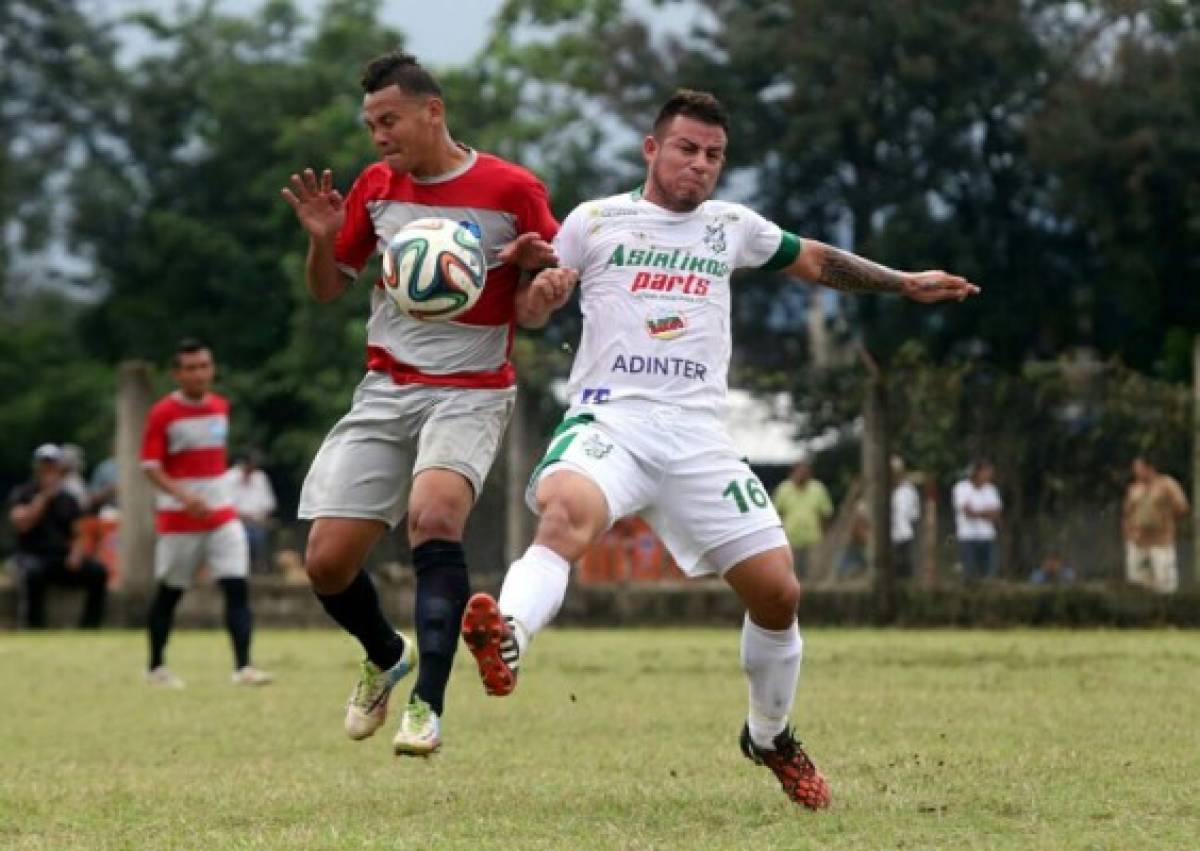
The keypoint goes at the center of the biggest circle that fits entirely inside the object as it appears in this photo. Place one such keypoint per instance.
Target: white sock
(533, 591)
(771, 660)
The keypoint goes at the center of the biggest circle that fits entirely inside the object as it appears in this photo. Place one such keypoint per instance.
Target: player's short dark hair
(701, 106)
(187, 346)
(401, 70)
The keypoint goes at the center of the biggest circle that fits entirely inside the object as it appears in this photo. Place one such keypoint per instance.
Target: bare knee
(328, 569)
(437, 520)
(335, 552)
(776, 607)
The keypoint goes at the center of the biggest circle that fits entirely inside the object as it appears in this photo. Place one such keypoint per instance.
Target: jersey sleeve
(532, 207)
(764, 244)
(571, 242)
(154, 438)
(356, 241)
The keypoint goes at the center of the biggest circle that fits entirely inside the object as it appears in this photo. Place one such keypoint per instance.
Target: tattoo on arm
(853, 274)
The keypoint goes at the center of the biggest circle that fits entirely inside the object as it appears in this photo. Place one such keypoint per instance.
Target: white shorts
(1154, 567)
(365, 467)
(178, 556)
(678, 470)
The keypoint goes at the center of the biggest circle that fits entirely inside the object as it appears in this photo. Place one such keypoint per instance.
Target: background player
(427, 419)
(183, 454)
(644, 433)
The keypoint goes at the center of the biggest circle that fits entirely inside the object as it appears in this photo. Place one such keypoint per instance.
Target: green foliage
(1047, 150)
(52, 390)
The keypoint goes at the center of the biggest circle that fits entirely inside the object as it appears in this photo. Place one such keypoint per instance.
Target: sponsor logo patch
(594, 395)
(666, 326)
(596, 447)
(670, 367)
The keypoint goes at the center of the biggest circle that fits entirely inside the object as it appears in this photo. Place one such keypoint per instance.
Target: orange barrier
(100, 541)
(628, 552)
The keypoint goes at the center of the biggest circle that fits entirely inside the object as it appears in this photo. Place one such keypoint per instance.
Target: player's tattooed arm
(841, 270)
(850, 273)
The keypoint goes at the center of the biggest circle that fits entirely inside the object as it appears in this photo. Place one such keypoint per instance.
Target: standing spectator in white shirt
(906, 513)
(253, 498)
(977, 510)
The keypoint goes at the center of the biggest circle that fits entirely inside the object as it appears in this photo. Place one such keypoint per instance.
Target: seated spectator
(1053, 570)
(103, 485)
(253, 498)
(73, 461)
(44, 515)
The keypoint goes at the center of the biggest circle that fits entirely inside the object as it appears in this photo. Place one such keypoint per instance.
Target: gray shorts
(177, 556)
(365, 467)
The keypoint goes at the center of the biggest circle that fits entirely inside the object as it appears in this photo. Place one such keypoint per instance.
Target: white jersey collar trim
(472, 157)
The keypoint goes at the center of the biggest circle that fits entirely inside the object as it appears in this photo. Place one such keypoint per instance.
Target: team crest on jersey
(596, 447)
(714, 237)
(666, 326)
(474, 228)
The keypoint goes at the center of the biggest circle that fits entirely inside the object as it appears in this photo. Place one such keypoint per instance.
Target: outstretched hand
(935, 286)
(528, 252)
(317, 204)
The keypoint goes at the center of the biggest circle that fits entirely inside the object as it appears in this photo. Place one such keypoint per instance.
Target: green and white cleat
(161, 677)
(249, 675)
(367, 709)
(420, 732)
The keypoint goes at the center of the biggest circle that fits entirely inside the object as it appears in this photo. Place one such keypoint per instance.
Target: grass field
(615, 739)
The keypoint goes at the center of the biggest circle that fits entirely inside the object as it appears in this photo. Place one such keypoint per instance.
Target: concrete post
(135, 395)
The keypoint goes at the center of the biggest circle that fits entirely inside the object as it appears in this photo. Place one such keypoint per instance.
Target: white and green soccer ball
(434, 269)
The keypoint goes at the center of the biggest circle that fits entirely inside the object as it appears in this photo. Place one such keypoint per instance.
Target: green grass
(615, 739)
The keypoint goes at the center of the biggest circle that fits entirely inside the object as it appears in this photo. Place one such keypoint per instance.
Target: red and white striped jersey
(494, 198)
(187, 440)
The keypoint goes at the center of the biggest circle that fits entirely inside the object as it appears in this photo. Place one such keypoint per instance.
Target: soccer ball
(434, 269)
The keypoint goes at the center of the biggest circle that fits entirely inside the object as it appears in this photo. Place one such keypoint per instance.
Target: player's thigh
(363, 469)
(626, 480)
(461, 434)
(708, 500)
(227, 551)
(177, 557)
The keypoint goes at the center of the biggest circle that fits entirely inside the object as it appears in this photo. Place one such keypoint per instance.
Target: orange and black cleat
(795, 771)
(490, 638)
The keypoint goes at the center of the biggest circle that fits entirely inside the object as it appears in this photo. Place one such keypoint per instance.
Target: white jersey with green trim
(655, 296)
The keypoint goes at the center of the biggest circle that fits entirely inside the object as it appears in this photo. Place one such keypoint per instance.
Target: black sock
(162, 613)
(357, 610)
(442, 592)
(238, 619)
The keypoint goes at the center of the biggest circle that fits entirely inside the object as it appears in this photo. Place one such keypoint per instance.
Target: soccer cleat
(248, 675)
(795, 771)
(367, 708)
(420, 732)
(161, 677)
(491, 640)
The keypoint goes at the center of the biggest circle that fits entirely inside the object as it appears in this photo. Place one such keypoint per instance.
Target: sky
(439, 34)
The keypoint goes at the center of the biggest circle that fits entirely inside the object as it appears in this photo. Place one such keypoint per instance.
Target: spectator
(102, 487)
(977, 510)
(44, 515)
(1153, 503)
(1053, 570)
(73, 482)
(804, 506)
(854, 558)
(906, 512)
(253, 498)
